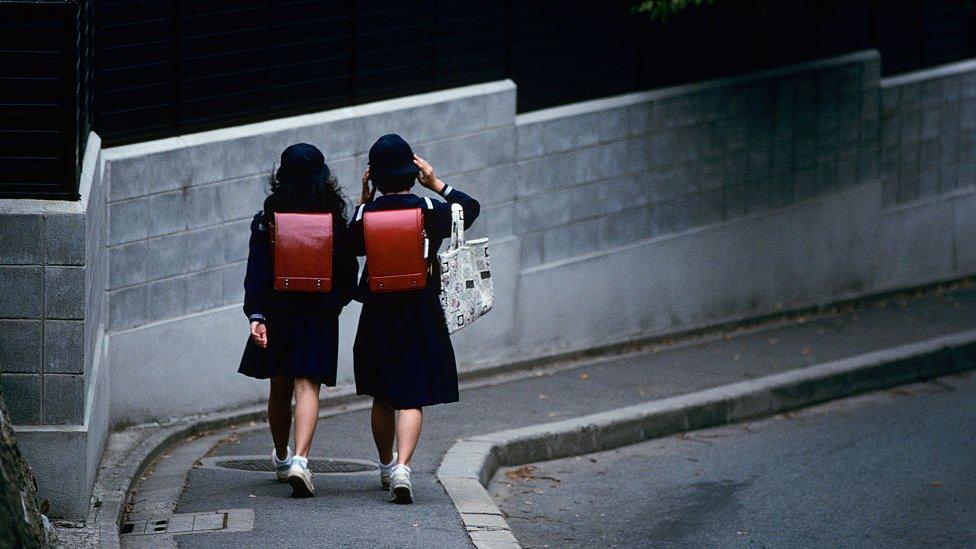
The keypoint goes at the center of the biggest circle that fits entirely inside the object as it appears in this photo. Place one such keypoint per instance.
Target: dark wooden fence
(166, 67)
(45, 99)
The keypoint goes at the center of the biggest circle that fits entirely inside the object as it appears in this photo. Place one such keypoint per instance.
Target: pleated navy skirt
(403, 353)
(300, 344)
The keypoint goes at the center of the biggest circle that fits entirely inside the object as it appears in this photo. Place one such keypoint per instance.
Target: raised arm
(453, 196)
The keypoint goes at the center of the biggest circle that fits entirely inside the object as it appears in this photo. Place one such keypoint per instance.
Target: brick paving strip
(638, 378)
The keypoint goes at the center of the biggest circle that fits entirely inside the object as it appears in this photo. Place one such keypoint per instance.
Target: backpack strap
(429, 204)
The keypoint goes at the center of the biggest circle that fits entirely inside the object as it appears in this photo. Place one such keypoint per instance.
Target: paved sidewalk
(892, 469)
(351, 511)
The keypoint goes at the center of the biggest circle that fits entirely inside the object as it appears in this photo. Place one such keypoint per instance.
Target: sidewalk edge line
(470, 463)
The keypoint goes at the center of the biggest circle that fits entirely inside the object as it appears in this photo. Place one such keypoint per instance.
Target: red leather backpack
(396, 250)
(302, 245)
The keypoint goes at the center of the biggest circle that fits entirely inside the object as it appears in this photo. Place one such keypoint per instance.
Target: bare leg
(408, 425)
(383, 423)
(279, 413)
(306, 414)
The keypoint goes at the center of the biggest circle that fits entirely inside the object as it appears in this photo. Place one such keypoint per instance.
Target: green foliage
(664, 10)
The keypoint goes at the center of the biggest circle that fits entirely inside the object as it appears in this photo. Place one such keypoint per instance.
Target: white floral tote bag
(466, 287)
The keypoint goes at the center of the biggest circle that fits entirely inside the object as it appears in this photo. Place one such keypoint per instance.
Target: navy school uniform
(403, 352)
(303, 327)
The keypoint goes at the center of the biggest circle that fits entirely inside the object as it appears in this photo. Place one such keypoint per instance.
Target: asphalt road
(895, 468)
(352, 512)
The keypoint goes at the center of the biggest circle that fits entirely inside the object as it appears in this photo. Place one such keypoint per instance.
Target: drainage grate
(262, 464)
(230, 520)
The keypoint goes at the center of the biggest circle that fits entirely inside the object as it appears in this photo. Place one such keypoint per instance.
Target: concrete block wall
(52, 302)
(582, 203)
(800, 201)
(179, 209)
(928, 142)
(179, 213)
(605, 173)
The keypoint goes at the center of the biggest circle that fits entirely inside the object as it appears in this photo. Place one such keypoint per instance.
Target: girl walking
(403, 355)
(294, 335)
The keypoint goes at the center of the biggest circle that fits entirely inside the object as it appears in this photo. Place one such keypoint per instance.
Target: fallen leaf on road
(806, 350)
(936, 483)
(520, 473)
(584, 376)
(525, 473)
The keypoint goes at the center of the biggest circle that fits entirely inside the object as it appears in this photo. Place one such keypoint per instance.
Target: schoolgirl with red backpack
(403, 355)
(301, 272)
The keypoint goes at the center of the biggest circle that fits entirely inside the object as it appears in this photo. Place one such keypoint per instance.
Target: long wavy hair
(324, 196)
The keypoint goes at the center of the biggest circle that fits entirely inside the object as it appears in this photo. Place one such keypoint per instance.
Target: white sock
(288, 455)
(301, 460)
(388, 466)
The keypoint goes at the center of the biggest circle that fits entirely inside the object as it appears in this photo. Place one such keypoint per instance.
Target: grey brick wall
(52, 280)
(607, 173)
(928, 133)
(179, 210)
(624, 181)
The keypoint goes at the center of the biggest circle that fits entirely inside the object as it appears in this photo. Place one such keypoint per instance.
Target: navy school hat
(391, 155)
(302, 163)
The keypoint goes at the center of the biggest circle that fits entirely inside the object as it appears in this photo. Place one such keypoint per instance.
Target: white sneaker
(400, 482)
(281, 466)
(300, 478)
(385, 471)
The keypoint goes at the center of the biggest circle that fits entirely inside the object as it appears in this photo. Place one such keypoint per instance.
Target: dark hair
(395, 183)
(321, 196)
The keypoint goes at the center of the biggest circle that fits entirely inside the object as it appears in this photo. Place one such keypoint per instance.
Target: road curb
(469, 465)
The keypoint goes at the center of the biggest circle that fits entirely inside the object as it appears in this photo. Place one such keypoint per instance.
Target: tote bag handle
(457, 226)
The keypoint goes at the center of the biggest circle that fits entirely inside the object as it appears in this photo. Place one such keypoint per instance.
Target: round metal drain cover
(262, 464)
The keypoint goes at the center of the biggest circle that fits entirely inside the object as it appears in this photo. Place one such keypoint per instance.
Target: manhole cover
(262, 464)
